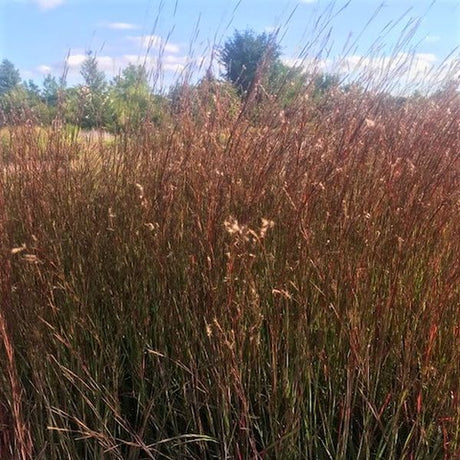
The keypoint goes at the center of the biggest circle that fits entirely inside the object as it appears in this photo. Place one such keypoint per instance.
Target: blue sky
(39, 36)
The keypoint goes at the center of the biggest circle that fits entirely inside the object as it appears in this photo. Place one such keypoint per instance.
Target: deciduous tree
(247, 57)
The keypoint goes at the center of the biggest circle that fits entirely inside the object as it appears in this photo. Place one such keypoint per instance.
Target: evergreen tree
(92, 94)
(32, 89)
(9, 76)
(50, 90)
(93, 77)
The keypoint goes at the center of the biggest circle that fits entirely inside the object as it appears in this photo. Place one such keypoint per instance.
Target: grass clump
(248, 283)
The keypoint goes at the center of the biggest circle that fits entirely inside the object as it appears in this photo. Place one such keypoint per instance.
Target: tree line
(251, 63)
(95, 103)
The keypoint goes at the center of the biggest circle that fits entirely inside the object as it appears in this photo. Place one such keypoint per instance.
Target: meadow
(241, 280)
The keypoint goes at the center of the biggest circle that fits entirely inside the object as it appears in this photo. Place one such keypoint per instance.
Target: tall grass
(241, 282)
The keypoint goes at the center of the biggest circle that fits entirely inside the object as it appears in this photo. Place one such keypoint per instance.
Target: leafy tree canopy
(245, 54)
(131, 99)
(132, 77)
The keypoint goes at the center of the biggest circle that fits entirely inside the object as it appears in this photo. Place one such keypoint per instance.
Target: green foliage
(325, 82)
(286, 82)
(247, 56)
(250, 60)
(93, 77)
(130, 97)
(9, 77)
(32, 89)
(72, 109)
(15, 102)
(50, 90)
(23, 103)
(92, 96)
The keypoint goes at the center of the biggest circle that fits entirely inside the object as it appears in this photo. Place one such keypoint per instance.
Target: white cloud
(112, 65)
(412, 66)
(120, 26)
(170, 63)
(75, 60)
(449, 70)
(400, 72)
(44, 69)
(154, 42)
(48, 4)
(43, 4)
(310, 65)
(379, 66)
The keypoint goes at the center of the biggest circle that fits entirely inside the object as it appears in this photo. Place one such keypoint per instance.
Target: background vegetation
(240, 272)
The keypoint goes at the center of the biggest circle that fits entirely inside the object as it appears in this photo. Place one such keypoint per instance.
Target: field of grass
(244, 283)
